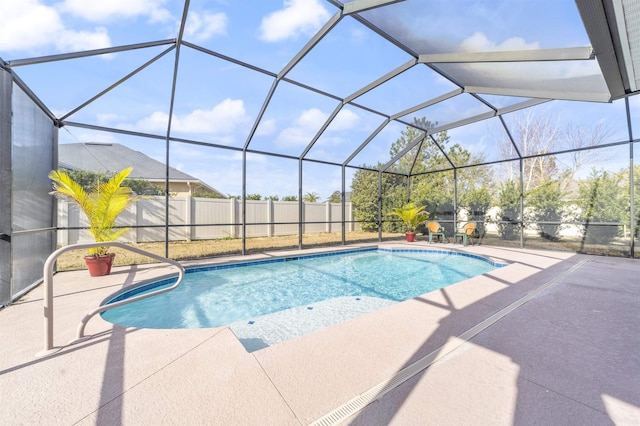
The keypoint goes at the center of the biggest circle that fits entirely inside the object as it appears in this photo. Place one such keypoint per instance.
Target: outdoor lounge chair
(435, 230)
(465, 233)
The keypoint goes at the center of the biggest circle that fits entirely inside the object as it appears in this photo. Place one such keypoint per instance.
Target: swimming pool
(363, 280)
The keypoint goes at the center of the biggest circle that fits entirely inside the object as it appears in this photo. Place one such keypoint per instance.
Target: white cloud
(222, 119)
(310, 121)
(29, 25)
(298, 17)
(345, 120)
(20, 21)
(266, 127)
(311, 118)
(478, 42)
(106, 119)
(102, 11)
(83, 40)
(303, 129)
(201, 27)
(155, 122)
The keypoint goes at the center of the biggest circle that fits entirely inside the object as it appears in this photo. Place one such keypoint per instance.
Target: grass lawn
(187, 250)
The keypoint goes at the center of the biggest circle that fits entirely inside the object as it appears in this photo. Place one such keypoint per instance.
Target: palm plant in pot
(412, 216)
(102, 205)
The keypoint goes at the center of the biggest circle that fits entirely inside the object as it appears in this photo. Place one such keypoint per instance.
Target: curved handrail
(48, 291)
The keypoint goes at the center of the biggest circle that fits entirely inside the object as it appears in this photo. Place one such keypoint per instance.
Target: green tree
(545, 204)
(335, 197)
(364, 198)
(86, 179)
(476, 201)
(144, 187)
(311, 197)
(602, 198)
(509, 209)
(290, 198)
(272, 198)
(546, 177)
(636, 197)
(473, 182)
(436, 190)
(254, 197)
(90, 180)
(418, 158)
(432, 184)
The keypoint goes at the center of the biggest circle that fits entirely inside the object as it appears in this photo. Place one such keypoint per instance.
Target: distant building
(113, 157)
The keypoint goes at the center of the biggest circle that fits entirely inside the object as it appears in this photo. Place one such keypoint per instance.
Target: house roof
(113, 157)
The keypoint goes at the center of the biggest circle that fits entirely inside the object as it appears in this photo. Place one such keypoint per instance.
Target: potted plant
(412, 216)
(102, 205)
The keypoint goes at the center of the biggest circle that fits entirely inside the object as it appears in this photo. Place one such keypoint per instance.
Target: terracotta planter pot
(99, 266)
(411, 236)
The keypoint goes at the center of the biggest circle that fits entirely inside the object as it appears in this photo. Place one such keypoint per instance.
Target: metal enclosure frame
(594, 18)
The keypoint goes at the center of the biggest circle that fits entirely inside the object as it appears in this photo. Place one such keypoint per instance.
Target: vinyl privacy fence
(192, 218)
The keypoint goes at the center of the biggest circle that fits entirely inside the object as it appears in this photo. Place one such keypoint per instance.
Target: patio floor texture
(551, 339)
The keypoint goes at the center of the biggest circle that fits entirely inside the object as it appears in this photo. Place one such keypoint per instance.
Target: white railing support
(48, 290)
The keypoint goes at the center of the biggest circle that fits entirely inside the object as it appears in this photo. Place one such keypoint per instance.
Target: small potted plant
(102, 205)
(412, 216)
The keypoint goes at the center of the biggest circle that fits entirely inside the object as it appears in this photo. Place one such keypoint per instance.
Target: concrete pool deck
(554, 338)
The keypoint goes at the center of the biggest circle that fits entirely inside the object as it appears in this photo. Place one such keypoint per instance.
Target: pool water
(216, 296)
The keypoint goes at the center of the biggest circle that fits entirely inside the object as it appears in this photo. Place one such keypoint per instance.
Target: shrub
(509, 205)
(545, 203)
(601, 199)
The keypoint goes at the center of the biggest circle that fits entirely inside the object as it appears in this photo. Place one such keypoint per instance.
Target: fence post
(63, 222)
(304, 217)
(134, 237)
(327, 219)
(232, 218)
(73, 217)
(139, 206)
(270, 215)
(189, 230)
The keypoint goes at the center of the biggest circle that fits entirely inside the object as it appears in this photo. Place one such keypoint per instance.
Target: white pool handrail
(48, 291)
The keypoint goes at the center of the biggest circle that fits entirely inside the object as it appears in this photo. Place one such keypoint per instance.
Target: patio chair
(435, 230)
(465, 233)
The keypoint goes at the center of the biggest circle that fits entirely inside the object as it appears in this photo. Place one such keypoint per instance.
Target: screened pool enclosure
(310, 120)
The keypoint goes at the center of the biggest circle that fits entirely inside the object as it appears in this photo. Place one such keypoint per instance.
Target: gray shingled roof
(113, 157)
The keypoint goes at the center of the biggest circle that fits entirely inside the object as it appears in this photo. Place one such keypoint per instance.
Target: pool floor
(266, 330)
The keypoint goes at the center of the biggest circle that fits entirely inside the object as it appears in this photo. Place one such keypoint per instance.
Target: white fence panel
(285, 211)
(258, 212)
(335, 215)
(315, 212)
(151, 213)
(147, 217)
(212, 210)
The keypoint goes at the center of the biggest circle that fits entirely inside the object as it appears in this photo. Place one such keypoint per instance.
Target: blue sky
(218, 101)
